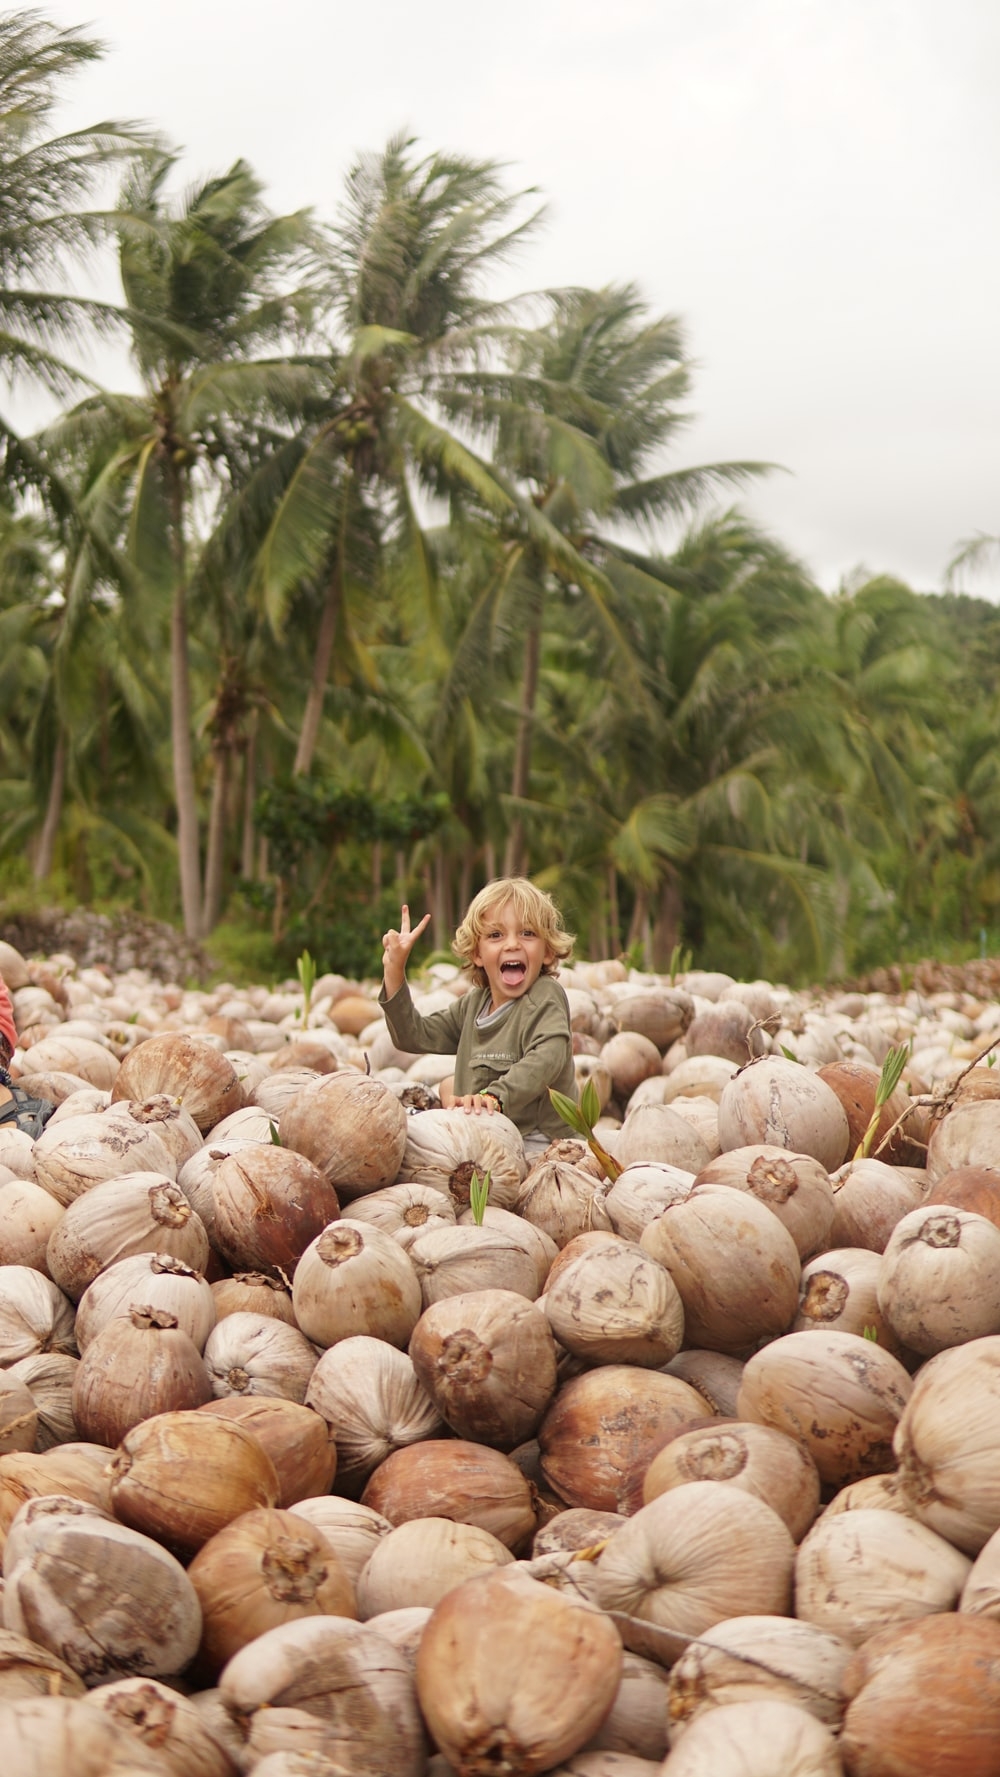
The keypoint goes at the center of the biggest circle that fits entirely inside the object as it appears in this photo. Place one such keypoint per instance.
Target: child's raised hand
(396, 947)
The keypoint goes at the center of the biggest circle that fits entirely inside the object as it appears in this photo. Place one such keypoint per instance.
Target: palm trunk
(247, 836)
(667, 926)
(185, 793)
(216, 851)
(614, 916)
(45, 850)
(514, 857)
(313, 714)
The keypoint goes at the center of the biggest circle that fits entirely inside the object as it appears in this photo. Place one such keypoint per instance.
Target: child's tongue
(512, 972)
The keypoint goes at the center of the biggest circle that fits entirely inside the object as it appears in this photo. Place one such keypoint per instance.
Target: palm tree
(205, 282)
(582, 414)
(413, 332)
(45, 227)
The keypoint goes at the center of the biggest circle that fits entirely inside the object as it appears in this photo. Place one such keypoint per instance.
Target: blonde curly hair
(531, 905)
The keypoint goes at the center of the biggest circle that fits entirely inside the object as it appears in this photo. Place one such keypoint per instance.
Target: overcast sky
(810, 184)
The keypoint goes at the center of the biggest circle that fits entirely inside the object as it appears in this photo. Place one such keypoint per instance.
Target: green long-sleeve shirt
(519, 1057)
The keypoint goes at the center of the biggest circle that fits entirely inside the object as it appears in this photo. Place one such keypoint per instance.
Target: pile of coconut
(681, 1455)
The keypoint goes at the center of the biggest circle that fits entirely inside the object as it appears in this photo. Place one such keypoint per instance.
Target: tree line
(373, 584)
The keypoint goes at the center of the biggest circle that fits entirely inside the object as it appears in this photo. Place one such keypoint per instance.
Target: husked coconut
(355, 1279)
(351, 1529)
(939, 1278)
(870, 1197)
(135, 1212)
(794, 1186)
(154, 1280)
(755, 1458)
(695, 1556)
(787, 1106)
(925, 1698)
(184, 1067)
(258, 1354)
(735, 1266)
(513, 1675)
(352, 1128)
(840, 1396)
(453, 1478)
(264, 1569)
(297, 1440)
(616, 1304)
(35, 1315)
(28, 1215)
(405, 1211)
(641, 1193)
(946, 1444)
(371, 1397)
(862, 1571)
(488, 1362)
(656, 1132)
(327, 1685)
(444, 1148)
(756, 1740)
(839, 1294)
(418, 1562)
(749, 1657)
(604, 1427)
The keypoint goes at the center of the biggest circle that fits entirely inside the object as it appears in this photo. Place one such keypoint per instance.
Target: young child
(510, 1033)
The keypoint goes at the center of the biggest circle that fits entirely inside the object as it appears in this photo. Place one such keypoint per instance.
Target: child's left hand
(475, 1102)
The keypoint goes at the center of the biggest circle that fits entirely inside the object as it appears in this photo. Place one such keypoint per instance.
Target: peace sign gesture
(396, 947)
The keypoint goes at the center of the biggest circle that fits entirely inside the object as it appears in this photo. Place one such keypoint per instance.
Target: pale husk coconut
(861, 1571)
(352, 1530)
(92, 1062)
(183, 1067)
(642, 1192)
(838, 1395)
(352, 1128)
(136, 1212)
(563, 1198)
(785, 1105)
(755, 1740)
(28, 1215)
(839, 1294)
(161, 1721)
(27, 1670)
(716, 1377)
(251, 1292)
(18, 1415)
(870, 1197)
(662, 1014)
(68, 1158)
(488, 1362)
(925, 1698)
(405, 1211)
(454, 1261)
(48, 1376)
(604, 1427)
(155, 1280)
(66, 1737)
(108, 1600)
(735, 1267)
(695, 1556)
(948, 1446)
(616, 1305)
(968, 1136)
(794, 1186)
(756, 1458)
(747, 1657)
(655, 1133)
(636, 1724)
(512, 1675)
(355, 1279)
(331, 1686)
(629, 1058)
(140, 1364)
(536, 1243)
(369, 1394)
(939, 1279)
(77, 1469)
(453, 1478)
(257, 1354)
(418, 1562)
(445, 1148)
(35, 1315)
(265, 1568)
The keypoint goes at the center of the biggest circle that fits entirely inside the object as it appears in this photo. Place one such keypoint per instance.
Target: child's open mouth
(513, 973)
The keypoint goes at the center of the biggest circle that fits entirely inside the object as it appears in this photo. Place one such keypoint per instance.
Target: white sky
(810, 184)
